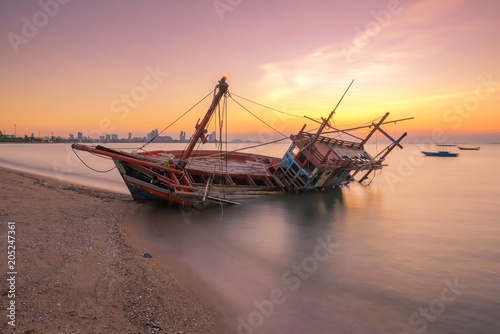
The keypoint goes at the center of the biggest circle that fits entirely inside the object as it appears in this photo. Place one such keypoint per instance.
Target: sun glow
(69, 77)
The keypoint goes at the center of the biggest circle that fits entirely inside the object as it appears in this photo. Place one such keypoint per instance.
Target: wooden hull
(469, 148)
(211, 177)
(208, 178)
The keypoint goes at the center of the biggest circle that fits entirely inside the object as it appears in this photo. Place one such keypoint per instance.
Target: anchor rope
(95, 170)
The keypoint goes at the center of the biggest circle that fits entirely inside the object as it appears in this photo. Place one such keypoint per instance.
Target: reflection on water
(340, 261)
(417, 251)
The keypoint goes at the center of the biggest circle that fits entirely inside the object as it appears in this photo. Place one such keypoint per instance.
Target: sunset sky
(132, 66)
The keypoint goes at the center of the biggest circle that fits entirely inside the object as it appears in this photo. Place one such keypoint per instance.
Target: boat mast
(326, 122)
(201, 127)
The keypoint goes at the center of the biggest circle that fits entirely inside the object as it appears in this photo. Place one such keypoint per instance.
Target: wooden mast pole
(393, 145)
(327, 121)
(375, 128)
(367, 126)
(201, 127)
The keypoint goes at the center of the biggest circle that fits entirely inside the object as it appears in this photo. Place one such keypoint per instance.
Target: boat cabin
(319, 162)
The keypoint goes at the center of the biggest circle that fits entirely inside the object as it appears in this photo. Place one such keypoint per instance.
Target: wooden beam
(388, 136)
(201, 128)
(374, 129)
(391, 147)
(369, 126)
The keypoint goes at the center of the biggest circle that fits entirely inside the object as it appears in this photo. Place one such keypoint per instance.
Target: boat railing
(323, 139)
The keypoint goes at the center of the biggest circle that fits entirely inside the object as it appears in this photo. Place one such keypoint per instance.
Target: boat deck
(230, 166)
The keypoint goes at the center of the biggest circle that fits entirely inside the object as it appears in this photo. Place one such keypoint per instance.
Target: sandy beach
(79, 269)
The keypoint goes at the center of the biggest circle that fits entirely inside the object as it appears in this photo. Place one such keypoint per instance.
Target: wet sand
(79, 269)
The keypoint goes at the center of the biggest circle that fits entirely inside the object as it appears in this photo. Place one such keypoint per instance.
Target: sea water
(417, 251)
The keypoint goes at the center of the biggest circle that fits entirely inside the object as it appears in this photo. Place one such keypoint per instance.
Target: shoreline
(79, 268)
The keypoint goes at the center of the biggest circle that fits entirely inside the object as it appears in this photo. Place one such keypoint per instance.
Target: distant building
(212, 136)
(114, 137)
(80, 136)
(152, 134)
(101, 138)
(71, 136)
(182, 136)
(139, 139)
(130, 136)
(164, 139)
(108, 137)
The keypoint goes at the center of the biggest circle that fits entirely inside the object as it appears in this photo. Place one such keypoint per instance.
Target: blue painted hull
(440, 154)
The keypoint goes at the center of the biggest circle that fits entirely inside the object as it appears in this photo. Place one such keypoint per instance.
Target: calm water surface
(418, 251)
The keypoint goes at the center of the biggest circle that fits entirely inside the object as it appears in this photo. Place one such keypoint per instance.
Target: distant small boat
(443, 151)
(469, 148)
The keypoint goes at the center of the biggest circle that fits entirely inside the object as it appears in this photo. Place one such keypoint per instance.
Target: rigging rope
(335, 125)
(222, 178)
(226, 118)
(282, 112)
(248, 147)
(257, 117)
(178, 118)
(95, 170)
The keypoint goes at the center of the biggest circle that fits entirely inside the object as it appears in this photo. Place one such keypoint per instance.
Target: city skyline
(153, 135)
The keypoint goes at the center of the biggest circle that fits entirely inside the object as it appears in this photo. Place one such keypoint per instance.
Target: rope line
(178, 118)
(95, 170)
(251, 113)
(264, 106)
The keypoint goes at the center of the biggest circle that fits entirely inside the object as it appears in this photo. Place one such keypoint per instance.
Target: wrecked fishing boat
(197, 178)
